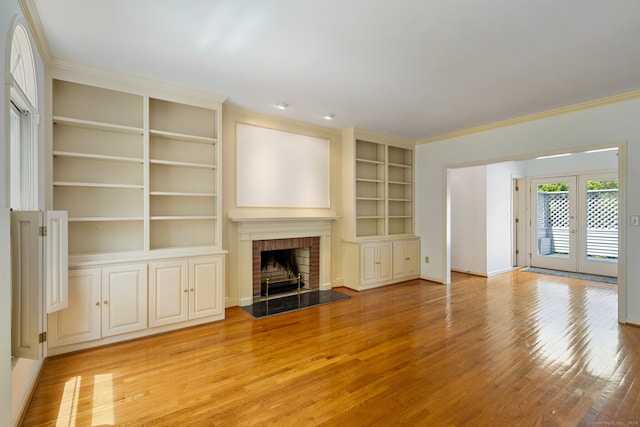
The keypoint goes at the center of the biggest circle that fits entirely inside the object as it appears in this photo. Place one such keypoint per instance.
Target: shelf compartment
(400, 175)
(188, 232)
(97, 105)
(180, 150)
(369, 208)
(178, 179)
(369, 189)
(182, 206)
(400, 156)
(402, 209)
(173, 119)
(97, 171)
(366, 227)
(401, 225)
(105, 142)
(400, 190)
(85, 202)
(370, 171)
(370, 151)
(96, 237)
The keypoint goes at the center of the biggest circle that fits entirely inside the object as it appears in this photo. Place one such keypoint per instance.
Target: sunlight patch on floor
(103, 400)
(69, 403)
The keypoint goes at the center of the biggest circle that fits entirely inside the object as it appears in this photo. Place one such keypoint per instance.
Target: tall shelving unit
(136, 165)
(182, 170)
(98, 167)
(378, 209)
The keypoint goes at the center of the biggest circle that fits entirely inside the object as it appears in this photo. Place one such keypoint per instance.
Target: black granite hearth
(293, 303)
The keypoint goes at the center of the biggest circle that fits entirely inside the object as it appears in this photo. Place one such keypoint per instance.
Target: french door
(574, 223)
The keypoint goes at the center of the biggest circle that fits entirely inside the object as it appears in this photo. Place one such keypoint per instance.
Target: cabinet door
(368, 263)
(206, 278)
(124, 299)
(405, 258)
(168, 292)
(412, 257)
(385, 261)
(399, 260)
(80, 321)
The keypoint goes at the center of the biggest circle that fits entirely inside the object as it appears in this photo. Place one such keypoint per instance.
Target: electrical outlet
(635, 220)
(426, 260)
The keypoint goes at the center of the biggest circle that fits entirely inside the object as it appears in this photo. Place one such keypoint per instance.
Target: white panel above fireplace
(281, 169)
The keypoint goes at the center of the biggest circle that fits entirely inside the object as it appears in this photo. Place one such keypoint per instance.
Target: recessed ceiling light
(328, 116)
(282, 105)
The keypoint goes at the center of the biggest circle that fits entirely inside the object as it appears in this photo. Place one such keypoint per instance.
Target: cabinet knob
(191, 289)
(186, 291)
(105, 302)
(407, 259)
(97, 303)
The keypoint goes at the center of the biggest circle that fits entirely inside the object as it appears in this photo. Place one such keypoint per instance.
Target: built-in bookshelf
(137, 172)
(98, 167)
(378, 191)
(182, 170)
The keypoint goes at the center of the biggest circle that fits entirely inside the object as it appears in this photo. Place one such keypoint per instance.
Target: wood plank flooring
(518, 349)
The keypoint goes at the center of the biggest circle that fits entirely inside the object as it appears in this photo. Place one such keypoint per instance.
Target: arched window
(23, 123)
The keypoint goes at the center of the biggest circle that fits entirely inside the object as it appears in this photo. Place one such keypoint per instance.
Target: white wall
(578, 131)
(468, 220)
(499, 222)
(480, 215)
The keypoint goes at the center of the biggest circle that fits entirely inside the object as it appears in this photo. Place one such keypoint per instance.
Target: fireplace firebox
(282, 266)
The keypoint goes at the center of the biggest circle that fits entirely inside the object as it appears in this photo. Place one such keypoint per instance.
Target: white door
(385, 261)
(598, 224)
(574, 224)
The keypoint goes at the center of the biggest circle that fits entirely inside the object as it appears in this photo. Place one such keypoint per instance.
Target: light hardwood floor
(518, 349)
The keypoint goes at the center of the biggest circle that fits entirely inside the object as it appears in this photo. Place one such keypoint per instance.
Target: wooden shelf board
(182, 217)
(89, 124)
(182, 136)
(95, 185)
(89, 156)
(174, 193)
(183, 164)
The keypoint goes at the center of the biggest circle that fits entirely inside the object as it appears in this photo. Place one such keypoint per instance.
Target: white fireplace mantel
(265, 228)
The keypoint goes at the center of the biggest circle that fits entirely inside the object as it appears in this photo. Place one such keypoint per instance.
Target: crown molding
(128, 82)
(33, 19)
(537, 116)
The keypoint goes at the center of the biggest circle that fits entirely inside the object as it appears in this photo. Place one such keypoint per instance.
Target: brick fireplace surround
(252, 229)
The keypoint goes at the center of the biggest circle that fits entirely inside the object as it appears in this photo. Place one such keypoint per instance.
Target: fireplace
(282, 266)
(264, 232)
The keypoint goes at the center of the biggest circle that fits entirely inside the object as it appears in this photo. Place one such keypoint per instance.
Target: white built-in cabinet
(103, 302)
(375, 262)
(137, 166)
(378, 209)
(182, 290)
(406, 258)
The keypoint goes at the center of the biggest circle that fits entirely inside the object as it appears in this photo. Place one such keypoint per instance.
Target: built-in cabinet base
(373, 263)
(113, 303)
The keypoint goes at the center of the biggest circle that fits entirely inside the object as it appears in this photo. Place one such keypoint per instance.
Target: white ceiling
(412, 68)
